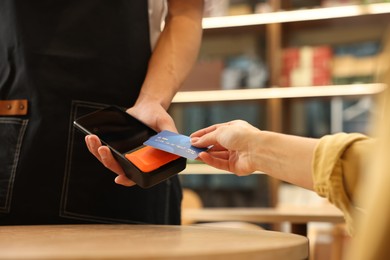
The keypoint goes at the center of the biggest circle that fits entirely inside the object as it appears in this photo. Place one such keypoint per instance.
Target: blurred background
(303, 67)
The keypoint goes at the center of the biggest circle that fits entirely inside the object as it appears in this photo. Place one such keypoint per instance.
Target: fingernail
(102, 153)
(194, 139)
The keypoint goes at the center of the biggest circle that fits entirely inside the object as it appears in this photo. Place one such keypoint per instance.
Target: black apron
(69, 58)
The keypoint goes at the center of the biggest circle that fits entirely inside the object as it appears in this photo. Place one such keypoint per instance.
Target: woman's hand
(231, 146)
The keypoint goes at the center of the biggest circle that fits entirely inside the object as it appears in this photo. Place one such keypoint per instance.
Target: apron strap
(16, 107)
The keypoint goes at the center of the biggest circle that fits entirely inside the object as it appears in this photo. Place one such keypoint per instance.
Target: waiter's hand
(151, 114)
(104, 155)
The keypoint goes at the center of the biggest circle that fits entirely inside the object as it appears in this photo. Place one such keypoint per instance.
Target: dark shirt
(69, 58)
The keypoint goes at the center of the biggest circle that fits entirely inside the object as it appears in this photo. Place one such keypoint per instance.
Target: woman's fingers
(215, 162)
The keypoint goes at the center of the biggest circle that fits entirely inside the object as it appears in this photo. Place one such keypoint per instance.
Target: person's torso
(68, 58)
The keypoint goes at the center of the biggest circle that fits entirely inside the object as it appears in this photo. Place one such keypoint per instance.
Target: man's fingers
(104, 155)
(109, 161)
(93, 143)
(123, 180)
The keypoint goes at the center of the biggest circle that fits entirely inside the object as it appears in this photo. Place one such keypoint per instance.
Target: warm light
(270, 93)
(294, 16)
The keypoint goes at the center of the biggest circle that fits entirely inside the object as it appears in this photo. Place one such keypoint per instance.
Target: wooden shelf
(201, 168)
(277, 93)
(273, 27)
(287, 213)
(295, 16)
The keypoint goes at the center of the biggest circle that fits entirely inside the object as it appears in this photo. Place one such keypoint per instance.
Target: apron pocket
(12, 131)
(90, 194)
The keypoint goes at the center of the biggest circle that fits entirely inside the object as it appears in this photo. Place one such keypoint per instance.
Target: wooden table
(297, 216)
(147, 242)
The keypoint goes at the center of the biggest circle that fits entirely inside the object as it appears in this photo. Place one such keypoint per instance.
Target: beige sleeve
(337, 166)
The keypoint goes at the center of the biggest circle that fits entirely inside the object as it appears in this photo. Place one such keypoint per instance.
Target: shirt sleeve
(157, 11)
(337, 167)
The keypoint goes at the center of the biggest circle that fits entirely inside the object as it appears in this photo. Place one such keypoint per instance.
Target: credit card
(174, 143)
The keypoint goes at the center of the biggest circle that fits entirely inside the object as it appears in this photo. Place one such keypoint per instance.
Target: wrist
(147, 99)
(260, 150)
(254, 149)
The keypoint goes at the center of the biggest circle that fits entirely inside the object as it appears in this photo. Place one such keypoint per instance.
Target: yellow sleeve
(337, 165)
